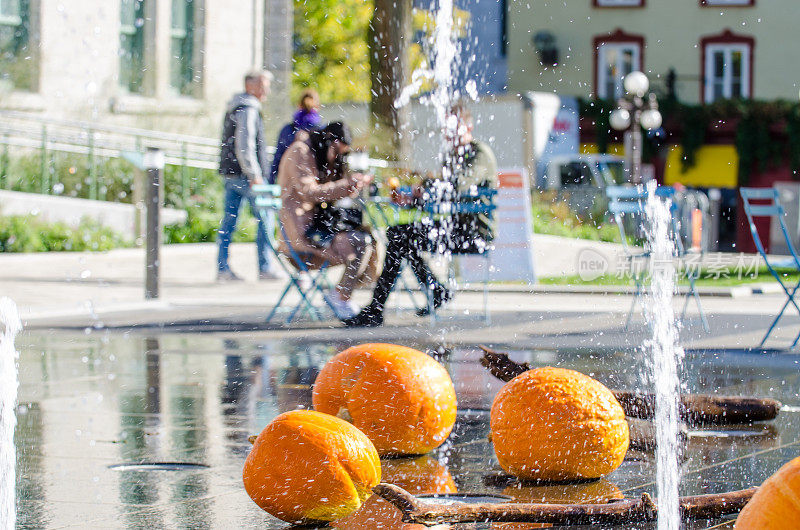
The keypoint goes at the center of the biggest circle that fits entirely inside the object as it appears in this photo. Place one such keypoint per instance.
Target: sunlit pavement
(97, 290)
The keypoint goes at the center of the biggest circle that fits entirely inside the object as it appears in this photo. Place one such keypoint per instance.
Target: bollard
(153, 163)
(153, 364)
(715, 211)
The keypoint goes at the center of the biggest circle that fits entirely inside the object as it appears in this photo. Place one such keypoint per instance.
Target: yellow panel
(716, 166)
(613, 149)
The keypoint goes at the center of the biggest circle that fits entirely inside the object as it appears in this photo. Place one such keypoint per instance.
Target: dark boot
(369, 317)
(440, 297)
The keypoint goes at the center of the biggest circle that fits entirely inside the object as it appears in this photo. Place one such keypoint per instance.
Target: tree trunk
(389, 38)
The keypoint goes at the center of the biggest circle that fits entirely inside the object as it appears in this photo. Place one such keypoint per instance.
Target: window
(132, 33)
(576, 174)
(614, 62)
(16, 62)
(726, 72)
(713, 3)
(618, 3)
(182, 57)
(727, 67)
(616, 55)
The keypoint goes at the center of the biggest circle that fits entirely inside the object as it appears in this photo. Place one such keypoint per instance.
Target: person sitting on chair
(469, 165)
(313, 176)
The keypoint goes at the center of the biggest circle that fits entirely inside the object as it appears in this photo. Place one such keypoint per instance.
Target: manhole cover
(157, 466)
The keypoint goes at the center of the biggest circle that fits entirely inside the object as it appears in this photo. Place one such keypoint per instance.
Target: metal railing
(49, 136)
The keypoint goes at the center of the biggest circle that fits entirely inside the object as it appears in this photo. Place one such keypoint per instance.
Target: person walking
(243, 163)
(470, 164)
(306, 118)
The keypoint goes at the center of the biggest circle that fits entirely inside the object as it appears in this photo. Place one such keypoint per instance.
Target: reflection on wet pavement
(91, 402)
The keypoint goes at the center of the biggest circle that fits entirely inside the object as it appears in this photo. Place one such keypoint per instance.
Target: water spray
(9, 382)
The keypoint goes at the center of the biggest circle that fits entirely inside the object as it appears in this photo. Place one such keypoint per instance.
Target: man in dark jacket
(243, 162)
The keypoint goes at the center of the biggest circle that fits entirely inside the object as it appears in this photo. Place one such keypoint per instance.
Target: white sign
(557, 134)
(512, 256)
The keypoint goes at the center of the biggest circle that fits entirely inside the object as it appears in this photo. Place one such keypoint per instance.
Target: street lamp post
(634, 111)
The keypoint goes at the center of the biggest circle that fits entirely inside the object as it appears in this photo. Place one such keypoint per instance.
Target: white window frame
(7, 19)
(727, 2)
(602, 78)
(619, 3)
(727, 75)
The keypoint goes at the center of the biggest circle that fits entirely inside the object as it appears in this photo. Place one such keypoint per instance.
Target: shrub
(26, 233)
(552, 215)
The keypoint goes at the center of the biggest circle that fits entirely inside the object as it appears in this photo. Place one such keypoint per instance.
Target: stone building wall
(76, 63)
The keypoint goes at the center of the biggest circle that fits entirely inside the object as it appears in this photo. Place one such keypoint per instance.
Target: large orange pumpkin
(558, 424)
(776, 504)
(401, 398)
(421, 475)
(306, 466)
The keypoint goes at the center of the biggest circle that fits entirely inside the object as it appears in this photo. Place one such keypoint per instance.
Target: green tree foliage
(331, 52)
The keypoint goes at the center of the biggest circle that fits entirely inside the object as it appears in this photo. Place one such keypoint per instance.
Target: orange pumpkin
(306, 466)
(421, 475)
(401, 398)
(776, 504)
(558, 424)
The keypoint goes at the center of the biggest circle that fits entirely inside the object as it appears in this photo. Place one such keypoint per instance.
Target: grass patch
(553, 214)
(726, 277)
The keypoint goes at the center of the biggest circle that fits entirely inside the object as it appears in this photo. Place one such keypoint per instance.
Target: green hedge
(26, 233)
(202, 224)
(68, 175)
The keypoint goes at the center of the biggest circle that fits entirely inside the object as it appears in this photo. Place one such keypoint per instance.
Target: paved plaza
(106, 290)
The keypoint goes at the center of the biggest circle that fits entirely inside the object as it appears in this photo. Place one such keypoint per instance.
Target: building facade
(698, 50)
(161, 64)
(481, 56)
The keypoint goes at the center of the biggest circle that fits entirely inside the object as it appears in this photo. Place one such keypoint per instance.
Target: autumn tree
(331, 53)
(357, 50)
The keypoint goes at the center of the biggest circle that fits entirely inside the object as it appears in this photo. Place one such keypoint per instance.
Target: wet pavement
(91, 401)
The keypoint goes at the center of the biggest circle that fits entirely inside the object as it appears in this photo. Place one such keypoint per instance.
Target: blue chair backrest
(267, 196)
(772, 210)
(625, 200)
(476, 201)
(631, 200)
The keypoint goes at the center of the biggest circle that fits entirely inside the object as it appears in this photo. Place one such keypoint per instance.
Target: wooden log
(616, 512)
(695, 409)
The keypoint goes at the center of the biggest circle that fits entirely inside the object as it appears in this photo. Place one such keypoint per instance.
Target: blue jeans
(237, 189)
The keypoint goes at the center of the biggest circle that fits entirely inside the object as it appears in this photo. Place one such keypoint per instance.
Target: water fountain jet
(666, 355)
(9, 319)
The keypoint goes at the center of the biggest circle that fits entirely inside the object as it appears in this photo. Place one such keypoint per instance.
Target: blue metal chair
(268, 198)
(669, 193)
(383, 218)
(772, 209)
(629, 200)
(476, 201)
